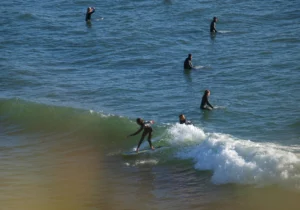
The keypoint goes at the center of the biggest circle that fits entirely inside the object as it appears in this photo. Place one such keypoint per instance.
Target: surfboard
(133, 153)
(224, 32)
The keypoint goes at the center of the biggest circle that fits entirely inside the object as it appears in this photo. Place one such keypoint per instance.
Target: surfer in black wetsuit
(146, 126)
(204, 103)
(213, 25)
(188, 62)
(182, 120)
(89, 12)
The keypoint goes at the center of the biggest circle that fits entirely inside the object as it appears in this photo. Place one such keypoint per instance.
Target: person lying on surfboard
(146, 126)
(182, 120)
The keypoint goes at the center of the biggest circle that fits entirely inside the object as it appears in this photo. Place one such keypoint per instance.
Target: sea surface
(70, 93)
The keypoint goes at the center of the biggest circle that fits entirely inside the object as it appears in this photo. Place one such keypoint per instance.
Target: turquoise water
(70, 93)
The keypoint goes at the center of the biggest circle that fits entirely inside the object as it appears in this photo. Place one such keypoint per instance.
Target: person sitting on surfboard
(89, 12)
(213, 25)
(182, 120)
(204, 103)
(188, 62)
(146, 126)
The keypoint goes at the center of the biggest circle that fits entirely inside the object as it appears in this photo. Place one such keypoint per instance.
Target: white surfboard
(133, 153)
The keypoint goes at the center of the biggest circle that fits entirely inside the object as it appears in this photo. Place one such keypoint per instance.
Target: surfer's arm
(141, 128)
(191, 65)
(209, 104)
(215, 27)
(91, 10)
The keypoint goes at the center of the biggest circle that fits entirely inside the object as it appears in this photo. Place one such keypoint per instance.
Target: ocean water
(70, 93)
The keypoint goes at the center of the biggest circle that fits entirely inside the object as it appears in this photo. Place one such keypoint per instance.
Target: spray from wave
(235, 160)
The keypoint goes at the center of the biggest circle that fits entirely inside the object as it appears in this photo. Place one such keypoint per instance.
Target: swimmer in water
(213, 25)
(182, 120)
(89, 12)
(188, 62)
(204, 103)
(146, 126)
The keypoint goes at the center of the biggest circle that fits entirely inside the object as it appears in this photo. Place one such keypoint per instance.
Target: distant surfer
(182, 120)
(213, 25)
(205, 103)
(146, 126)
(188, 62)
(89, 12)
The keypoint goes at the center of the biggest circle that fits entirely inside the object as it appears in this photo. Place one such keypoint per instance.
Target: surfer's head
(90, 9)
(190, 56)
(181, 117)
(139, 121)
(207, 92)
(215, 19)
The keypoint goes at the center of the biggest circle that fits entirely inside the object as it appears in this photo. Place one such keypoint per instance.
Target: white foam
(102, 114)
(92, 112)
(234, 160)
(181, 134)
(142, 162)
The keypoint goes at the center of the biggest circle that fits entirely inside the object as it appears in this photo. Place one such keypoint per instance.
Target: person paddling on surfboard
(213, 25)
(182, 120)
(146, 126)
(89, 12)
(204, 103)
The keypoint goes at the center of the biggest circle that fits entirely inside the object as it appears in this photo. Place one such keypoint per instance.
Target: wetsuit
(185, 122)
(146, 126)
(205, 104)
(182, 121)
(89, 14)
(213, 27)
(188, 64)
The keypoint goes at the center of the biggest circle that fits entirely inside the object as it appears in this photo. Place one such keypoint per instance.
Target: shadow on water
(89, 24)
(213, 36)
(187, 75)
(205, 114)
